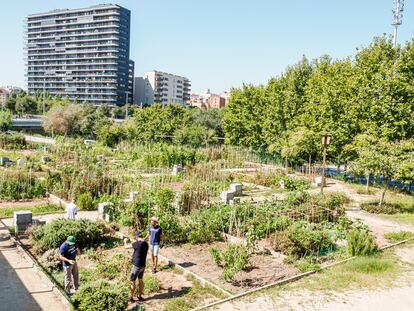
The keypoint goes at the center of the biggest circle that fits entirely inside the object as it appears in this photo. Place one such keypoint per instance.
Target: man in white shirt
(71, 210)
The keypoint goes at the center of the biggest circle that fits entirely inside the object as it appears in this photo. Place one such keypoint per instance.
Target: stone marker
(22, 220)
(176, 170)
(237, 188)
(4, 161)
(133, 195)
(227, 196)
(45, 159)
(103, 210)
(318, 181)
(20, 163)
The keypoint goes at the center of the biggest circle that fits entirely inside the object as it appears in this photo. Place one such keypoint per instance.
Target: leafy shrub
(303, 239)
(50, 260)
(361, 243)
(233, 259)
(20, 186)
(53, 234)
(13, 142)
(100, 295)
(203, 226)
(399, 236)
(215, 253)
(295, 184)
(86, 202)
(173, 231)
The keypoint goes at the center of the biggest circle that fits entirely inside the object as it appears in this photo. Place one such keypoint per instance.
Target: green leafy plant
(53, 234)
(215, 253)
(233, 259)
(100, 295)
(86, 202)
(361, 243)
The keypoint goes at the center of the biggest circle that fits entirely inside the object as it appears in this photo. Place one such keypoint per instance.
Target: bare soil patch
(265, 269)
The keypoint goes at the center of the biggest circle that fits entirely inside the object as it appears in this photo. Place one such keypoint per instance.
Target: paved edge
(39, 270)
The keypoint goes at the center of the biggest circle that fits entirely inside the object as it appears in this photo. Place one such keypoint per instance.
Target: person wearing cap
(155, 234)
(139, 261)
(68, 252)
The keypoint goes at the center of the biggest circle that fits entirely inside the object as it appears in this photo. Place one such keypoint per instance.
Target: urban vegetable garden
(275, 225)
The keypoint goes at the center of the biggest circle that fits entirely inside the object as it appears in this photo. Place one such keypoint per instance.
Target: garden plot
(262, 270)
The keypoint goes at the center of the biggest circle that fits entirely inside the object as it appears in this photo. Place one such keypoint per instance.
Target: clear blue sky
(219, 44)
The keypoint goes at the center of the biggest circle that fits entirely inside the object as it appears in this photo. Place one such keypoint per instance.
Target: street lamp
(325, 141)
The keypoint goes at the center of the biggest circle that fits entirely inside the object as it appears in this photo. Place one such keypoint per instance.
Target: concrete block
(103, 210)
(176, 170)
(20, 163)
(45, 159)
(133, 195)
(237, 188)
(4, 161)
(318, 181)
(227, 196)
(22, 220)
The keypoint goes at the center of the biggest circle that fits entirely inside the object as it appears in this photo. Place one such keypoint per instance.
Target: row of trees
(172, 123)
(370, 93)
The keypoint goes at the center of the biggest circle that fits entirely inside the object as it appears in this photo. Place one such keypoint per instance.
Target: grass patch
(398, 236)
(192, 298)
(362, 272)
(403, 218)
(151, 284)
(48, 208)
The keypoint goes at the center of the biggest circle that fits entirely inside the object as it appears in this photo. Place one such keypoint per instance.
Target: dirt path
(378, 225)
(21, 286)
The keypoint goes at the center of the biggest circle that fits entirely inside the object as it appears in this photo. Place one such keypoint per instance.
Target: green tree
(158, 122)
(63, 120)
(5, 120)
(25, 104)
(195, 135)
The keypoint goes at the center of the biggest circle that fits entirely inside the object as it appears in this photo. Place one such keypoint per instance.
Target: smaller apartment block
(161, 87)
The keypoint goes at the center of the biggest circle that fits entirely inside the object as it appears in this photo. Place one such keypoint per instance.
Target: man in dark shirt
(68, 251)
(139, 261)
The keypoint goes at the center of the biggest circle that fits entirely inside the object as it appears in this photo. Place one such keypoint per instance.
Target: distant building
(80, 53)
(209, 100)
(4, 94)
(6, 91)
(161, 87)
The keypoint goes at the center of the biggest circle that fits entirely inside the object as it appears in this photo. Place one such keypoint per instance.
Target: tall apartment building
(81, 53)
(161, 87)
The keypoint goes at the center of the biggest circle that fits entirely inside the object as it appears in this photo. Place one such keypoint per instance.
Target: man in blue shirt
(155, 233)
(68, 251)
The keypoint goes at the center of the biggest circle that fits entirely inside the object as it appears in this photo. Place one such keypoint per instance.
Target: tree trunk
(286, 165)
(367, 185)
(310, 163)
(383, 194)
